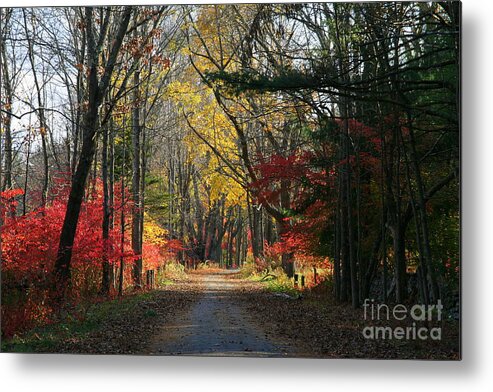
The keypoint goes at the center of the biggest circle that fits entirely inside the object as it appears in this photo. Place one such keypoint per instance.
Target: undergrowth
(87, 316)
(74, 326)
(275, 280)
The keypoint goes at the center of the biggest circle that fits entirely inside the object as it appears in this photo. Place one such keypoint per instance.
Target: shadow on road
(216, 325)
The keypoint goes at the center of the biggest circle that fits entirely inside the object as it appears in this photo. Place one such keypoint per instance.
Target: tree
(97, 88)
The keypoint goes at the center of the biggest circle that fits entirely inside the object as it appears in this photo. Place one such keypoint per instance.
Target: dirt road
(217, 325)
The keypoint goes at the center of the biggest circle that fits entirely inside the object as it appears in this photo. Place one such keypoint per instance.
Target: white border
(474, 373)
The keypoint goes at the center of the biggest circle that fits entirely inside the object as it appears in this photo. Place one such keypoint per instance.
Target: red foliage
(298, 171)
(30, 242)
(311, 180)
(29, 249)
(175, 246)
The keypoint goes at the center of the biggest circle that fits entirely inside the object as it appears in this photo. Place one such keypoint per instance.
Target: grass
(164, 281)
(281, 286)
(47, 338)
(276, 281)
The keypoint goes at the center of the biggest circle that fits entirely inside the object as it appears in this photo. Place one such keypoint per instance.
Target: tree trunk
(96, 92)
(41, 114)
(122, 218)
(105, 282)
(7, 123)
(136, 214)
(400, 264)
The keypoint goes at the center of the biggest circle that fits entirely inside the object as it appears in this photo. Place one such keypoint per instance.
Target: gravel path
(217, 325)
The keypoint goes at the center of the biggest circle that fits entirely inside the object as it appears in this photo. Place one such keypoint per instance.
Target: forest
(151, 154)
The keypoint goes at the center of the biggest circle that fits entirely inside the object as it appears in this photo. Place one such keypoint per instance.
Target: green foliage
(150, 313)
(248, 269)
(239, 82)
(282, 284)
(275, 281)
(207, 265)
(171, 271)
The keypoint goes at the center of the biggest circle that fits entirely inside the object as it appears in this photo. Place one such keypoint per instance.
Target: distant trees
(108, 49)
(391, 68)
(326, 134)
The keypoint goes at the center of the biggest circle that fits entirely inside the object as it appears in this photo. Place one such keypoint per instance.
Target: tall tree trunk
(287, 258)
(423, 218)
(96, 92)
(136, 197)
(121, 270)
(349, 206)
(105, 282)
(111, 191)
(26, 173)
(400, 265)
(7, 122)
(41, 113)
(142, 188)
(337, 242)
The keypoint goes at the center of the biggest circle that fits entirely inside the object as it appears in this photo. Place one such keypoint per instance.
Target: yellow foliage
(153, 233)
(212, 139)
(209, 121)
